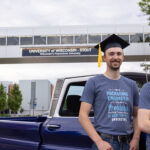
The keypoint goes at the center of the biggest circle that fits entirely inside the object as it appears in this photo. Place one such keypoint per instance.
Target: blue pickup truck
(61, 129)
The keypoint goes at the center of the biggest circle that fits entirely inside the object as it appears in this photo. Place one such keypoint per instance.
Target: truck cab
(65, 109)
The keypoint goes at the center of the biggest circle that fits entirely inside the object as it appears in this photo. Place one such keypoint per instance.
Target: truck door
(64, 132)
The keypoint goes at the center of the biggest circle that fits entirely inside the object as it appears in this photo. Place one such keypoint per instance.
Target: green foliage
(21, 110)
(145, 7)
(14, 99)
(140, 84)
(2, 98)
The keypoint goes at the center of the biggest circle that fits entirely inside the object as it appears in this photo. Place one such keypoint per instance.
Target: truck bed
(20, 133)
(30, 119)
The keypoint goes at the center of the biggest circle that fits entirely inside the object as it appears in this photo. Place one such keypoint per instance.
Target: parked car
(61, 129)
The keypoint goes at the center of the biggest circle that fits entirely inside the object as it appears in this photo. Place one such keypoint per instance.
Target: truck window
(71, 101)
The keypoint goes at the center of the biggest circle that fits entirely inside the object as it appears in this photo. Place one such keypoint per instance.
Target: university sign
(63, 55)
(46, 51)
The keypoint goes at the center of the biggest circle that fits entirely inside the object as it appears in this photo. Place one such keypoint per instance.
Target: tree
(14, 99)
(2, 98)
(145, 7)
(146, 69)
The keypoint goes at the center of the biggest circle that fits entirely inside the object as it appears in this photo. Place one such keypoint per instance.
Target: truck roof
(126, 73)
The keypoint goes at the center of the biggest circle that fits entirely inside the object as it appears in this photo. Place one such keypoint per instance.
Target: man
(114, 99)
(144, 112)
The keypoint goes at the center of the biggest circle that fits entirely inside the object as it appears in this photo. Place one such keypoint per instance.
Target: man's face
(114, 57)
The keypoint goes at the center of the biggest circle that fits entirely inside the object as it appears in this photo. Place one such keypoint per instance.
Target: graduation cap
(112, 41)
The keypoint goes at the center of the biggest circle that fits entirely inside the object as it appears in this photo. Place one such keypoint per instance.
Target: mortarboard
(111, 41)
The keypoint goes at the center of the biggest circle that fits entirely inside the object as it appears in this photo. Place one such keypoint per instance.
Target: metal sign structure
(68, 54)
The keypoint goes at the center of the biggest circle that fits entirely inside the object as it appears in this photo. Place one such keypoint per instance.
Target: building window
(67, 39)
(53, 40)
(13, 40)
(2, 40)
(124, 37)
(80, 39)
(39, 40)
(94, 38)
(136, 38)
(26, 40)
(146, 37)
(105, 36)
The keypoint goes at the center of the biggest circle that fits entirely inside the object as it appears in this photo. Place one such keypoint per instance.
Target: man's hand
(134, 144)
(103, 145)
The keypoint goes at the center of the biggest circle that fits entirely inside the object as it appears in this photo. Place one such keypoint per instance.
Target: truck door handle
(53, 126)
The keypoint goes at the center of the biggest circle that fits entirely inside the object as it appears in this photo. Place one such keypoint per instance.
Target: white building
(39, 44)
(36, 96)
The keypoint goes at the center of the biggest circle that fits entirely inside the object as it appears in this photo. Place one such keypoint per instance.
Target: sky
(32, 13)
(69, 12)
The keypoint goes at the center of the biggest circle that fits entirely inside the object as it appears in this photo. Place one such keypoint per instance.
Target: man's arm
(89, 128)
(144, 120)
(134, 144)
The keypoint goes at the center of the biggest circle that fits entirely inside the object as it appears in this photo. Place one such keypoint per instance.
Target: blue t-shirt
(113, 102)
(145, 103)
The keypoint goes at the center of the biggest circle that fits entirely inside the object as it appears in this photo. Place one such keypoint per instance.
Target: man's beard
(115, 68)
